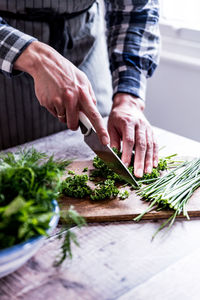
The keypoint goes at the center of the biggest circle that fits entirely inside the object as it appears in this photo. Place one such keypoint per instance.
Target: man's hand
(128, 124)
(61, 87)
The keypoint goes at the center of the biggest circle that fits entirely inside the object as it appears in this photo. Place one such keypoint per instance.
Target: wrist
(123, 98)
(29, 59)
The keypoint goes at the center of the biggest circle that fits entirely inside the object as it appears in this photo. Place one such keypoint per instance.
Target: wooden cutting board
(119, 210)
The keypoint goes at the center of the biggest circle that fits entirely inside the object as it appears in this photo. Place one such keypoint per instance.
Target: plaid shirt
(133, 43)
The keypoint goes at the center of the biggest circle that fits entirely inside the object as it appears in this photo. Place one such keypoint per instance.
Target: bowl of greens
(29, 185)
(14, 257)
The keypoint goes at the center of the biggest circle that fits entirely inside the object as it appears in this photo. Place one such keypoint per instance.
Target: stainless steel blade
(109, 157)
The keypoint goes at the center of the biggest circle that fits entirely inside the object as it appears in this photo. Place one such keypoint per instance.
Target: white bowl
(14, 257)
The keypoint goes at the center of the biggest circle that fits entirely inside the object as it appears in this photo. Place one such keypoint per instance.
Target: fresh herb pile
(29, 182)
(107, 181)
(172, 191)
(102, 171)
(76, 186)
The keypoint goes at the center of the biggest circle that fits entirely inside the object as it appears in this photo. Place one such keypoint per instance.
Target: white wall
(173, 94)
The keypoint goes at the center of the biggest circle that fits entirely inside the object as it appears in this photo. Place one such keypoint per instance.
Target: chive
(172, 191)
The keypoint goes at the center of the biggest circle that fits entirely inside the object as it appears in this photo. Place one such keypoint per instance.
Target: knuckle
(142, 145)
(57, 102)
(149, 145)
(94, 115)
(139, 123)
(155, 145)
(69, 93)
(129, 140)
(102, 132)
(127, 121)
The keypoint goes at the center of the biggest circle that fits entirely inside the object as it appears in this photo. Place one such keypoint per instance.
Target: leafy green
(104, 190)
(76, 186)
(71, 218)
(29, 181)
(70, 172)
(102, 171)
(123, 195)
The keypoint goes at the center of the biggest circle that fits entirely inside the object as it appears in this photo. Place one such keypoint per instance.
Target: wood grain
(119, 210)
(115, 260)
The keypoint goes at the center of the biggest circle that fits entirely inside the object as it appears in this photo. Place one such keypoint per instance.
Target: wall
(173, 94)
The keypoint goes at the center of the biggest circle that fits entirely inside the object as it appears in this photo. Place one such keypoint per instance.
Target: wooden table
(114, 260)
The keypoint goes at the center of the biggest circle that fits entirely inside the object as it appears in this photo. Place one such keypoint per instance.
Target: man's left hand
(128, 124)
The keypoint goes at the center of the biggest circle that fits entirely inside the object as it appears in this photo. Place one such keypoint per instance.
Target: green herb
(76, 186)
(29, 181)
(71, 172)
(123, 195)
(172, 191)
(102, 171)
(71, 218)
(105, 190)
(85, 169)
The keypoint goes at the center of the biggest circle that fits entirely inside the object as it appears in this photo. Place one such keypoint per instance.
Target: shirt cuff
(13, 43)
(129, 80)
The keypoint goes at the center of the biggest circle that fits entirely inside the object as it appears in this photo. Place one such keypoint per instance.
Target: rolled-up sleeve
(133, 43)
(12, 43)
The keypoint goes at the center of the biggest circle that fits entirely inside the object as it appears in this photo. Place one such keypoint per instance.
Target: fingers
(92, 94)
(155, 152)
(91, 111)
(72, 110)
(146, 151)
(140, 150)
(61, 114)
(149, 152)
(114, 136)
(128, 144)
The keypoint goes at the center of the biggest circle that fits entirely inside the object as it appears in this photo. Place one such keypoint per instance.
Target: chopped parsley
(76, 186)
(106, 180)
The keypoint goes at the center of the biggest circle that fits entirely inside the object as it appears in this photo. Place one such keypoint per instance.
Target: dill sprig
(29, 182)
(71, 218)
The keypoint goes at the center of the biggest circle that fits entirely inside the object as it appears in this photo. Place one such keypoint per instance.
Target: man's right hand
(61, 87)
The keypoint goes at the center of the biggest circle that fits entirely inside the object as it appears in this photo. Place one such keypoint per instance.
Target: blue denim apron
(76, 30)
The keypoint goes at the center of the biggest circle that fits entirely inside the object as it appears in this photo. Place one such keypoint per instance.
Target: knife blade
(106, 153)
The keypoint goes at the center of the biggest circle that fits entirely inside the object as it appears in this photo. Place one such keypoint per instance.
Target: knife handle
(84, 124)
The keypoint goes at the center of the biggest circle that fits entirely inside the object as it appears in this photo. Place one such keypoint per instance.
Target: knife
(106, 153)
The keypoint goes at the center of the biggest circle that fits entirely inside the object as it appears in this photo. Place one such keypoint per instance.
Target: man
(74, 28)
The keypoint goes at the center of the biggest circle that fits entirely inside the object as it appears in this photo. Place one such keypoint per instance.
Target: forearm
(12, 44)
(133, 44)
